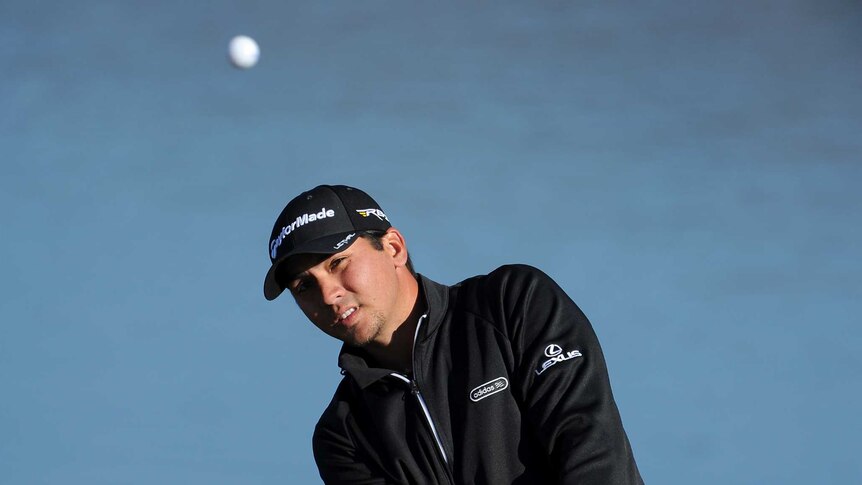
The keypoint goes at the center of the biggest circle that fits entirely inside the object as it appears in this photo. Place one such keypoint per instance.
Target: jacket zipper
(414, 389)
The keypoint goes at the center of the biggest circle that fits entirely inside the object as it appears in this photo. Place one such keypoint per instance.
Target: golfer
(498, 379)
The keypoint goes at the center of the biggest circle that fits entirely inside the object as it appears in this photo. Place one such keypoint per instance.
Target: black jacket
(509, 385)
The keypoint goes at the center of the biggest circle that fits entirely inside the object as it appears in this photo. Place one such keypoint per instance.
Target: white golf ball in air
(243, 51)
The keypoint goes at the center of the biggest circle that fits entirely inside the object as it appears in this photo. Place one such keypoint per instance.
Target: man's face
(352, 295)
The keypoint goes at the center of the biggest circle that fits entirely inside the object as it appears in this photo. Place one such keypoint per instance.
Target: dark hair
(375, 237)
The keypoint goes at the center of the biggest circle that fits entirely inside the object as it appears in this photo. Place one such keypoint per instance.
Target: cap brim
(331, 244)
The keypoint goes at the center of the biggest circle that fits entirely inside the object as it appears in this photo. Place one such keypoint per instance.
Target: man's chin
(355, 341)
(358, 337)
(361, 334)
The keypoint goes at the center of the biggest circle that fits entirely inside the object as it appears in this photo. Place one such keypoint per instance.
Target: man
(496, 380)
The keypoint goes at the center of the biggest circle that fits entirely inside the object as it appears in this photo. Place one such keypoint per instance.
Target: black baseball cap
(324, 220)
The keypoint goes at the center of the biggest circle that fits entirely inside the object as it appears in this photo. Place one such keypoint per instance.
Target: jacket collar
(437, 298)
(353, 360)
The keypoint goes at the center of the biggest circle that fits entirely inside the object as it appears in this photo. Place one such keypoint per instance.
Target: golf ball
(243, 51)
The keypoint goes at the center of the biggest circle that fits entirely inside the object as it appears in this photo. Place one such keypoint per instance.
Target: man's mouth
(344, 316)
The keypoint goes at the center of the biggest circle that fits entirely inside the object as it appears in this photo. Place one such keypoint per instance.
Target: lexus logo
(552, 350)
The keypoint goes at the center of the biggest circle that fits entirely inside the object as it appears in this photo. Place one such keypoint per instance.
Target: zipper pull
(414, 388)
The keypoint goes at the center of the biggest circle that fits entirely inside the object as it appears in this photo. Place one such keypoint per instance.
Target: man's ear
(395, 246)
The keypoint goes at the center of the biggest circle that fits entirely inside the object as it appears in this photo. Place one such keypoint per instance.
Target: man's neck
(398, 354)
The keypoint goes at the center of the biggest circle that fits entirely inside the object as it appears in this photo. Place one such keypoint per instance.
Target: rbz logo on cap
(372, 212)
(299, 222)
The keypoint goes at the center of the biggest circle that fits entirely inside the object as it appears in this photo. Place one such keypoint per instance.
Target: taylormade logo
(299, 222)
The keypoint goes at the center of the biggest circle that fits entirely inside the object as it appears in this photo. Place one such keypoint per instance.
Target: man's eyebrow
(295, 276)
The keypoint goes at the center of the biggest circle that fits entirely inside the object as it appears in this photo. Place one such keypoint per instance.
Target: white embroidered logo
(555, 352)
(344, 241)
(552, 350)
(491, 387)
(372, 212)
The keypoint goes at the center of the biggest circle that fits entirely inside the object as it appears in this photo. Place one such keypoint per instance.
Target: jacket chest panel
(400, 441)
(470, 394)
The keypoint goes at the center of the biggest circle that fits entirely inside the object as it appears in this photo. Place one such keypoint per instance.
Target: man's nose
(330, 290)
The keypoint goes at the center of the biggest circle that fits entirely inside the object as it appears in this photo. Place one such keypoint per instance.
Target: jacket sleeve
(337, 460)
(564, 384)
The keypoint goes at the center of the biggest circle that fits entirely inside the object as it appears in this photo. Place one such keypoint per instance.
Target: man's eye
(335, 263)
(299, 287)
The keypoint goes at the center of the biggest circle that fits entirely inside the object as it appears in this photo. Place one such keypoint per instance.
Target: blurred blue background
(688, 171)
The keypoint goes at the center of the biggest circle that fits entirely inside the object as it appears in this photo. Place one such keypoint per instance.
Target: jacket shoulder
(504, 282)
(502, 293)
(517, 273)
